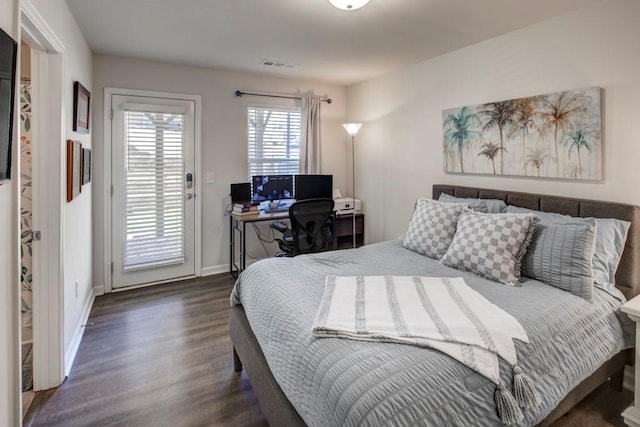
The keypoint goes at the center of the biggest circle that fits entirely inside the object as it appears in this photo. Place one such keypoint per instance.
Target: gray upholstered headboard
(628, 274)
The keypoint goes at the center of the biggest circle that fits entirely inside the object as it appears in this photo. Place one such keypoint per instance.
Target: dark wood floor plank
(161, 356)
(155, 356)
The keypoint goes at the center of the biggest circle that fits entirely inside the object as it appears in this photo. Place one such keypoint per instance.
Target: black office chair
(311, 228)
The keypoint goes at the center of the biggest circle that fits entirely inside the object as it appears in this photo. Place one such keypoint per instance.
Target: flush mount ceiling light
(349, 4)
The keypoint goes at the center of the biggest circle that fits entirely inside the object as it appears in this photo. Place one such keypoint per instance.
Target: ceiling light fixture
(349, 4)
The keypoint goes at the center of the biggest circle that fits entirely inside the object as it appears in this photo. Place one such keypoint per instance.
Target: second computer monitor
(314, 187)
(272, 187)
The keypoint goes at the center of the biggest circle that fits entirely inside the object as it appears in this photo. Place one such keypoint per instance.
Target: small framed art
(86, 166)
(74, 169)
(81, 107)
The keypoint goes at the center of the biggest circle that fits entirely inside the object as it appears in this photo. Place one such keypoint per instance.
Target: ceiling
(323, 42)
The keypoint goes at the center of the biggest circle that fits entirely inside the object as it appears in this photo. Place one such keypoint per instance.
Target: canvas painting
(558, 135)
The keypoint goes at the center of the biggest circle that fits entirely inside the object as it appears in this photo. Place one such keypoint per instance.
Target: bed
(575, 346)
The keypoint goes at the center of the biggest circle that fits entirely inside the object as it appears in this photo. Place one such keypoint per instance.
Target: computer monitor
(314, 187)
(241, 192)
(272, 187)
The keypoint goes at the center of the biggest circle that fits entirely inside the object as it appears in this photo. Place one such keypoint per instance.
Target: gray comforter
(336, 382)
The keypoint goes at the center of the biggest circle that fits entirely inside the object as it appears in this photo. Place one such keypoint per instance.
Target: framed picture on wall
(555, 135)
(74, 169)
(86, 166)
(81, 106)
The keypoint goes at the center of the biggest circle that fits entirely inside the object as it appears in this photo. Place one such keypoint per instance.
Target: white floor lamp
(352, 129)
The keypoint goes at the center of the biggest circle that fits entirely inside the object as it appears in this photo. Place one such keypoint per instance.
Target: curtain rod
(239, 94)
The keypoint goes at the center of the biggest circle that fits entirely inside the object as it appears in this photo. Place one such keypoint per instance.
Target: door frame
(48, 102)
(107, 120)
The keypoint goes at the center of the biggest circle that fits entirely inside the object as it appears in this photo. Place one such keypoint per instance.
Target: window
(273, 140)
(153, 179)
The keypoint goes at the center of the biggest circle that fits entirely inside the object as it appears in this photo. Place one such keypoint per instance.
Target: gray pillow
(611, 235)
(491, 245)
(561, 255)
(478, 205)
(432, 227)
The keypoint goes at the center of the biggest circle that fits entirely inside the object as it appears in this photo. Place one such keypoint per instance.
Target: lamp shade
(352, 128)
(349, 4)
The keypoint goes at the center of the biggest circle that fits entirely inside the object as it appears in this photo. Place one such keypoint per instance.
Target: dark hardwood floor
(161, 356)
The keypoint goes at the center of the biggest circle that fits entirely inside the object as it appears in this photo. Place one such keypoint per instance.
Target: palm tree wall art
(459, 134)
(490, 150)
(558, 135)
(500, 115)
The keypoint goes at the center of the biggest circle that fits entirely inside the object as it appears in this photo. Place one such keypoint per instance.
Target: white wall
(224, 146)
(9, 299)
(400, 144)
(77, 241)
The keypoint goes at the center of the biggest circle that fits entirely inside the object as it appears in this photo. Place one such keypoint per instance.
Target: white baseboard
(71, 352)
(216, 269)
(206, 271)
(629, 378)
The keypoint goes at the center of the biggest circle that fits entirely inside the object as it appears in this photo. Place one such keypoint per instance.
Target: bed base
(248, 354)
(279, 411)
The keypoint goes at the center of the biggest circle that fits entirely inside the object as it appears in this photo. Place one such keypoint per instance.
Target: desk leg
(231, 245)
(243, 263)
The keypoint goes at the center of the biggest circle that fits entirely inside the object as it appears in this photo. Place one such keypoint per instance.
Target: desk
(238, 223)
(342, 234)
(343, 231)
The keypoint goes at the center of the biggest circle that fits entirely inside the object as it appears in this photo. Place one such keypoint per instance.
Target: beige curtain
(310, 134)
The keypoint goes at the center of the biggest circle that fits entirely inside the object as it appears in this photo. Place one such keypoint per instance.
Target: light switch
(210, 178)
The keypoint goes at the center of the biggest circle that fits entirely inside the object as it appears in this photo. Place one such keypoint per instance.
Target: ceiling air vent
(276, 64)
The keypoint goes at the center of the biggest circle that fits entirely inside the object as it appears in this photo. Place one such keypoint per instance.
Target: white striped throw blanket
(440, 313)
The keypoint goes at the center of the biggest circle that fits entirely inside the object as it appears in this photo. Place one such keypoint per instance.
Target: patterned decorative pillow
(491, 245)
(432, 227)
(560, 255)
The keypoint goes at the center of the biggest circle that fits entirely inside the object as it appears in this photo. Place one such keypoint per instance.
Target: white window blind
(154, 177)
(274, 140)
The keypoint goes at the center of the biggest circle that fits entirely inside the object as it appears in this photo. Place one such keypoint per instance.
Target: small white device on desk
(344, 206)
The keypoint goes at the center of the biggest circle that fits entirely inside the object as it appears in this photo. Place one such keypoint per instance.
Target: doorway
(26, 230)
(153, 191)
(42, 104)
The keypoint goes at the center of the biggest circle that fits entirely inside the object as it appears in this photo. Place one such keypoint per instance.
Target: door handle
(189, 196)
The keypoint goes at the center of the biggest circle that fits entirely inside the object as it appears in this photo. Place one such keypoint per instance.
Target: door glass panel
(154, 199)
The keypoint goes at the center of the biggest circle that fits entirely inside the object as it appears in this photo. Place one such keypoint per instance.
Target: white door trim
(108, 93)
(48, 179)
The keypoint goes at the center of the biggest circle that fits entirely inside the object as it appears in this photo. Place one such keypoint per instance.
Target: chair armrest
(279, 226)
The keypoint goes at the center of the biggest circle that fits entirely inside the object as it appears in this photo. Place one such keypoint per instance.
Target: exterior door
(153, 208)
